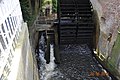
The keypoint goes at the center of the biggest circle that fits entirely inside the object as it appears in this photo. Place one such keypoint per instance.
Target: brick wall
(109, 20)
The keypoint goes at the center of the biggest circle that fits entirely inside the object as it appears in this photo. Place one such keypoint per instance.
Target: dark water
(77, 63)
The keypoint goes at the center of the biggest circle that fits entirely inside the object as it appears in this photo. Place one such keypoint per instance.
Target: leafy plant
(54, 6)
(26, 10)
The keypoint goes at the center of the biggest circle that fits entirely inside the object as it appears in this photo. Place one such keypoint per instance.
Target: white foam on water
(49, 71)
(46, 70)
(51, 66)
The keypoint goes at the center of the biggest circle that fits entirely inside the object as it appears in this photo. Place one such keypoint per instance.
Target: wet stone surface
(77, 63)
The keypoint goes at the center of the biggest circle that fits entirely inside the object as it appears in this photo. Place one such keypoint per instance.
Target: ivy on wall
(26, 10)
(30, 9)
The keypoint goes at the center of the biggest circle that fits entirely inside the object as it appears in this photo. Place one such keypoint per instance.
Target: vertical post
(56, 48)
(47, 54)
(58, 17)
(58, 9)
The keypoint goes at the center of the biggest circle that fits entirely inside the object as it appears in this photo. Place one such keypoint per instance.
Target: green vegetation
(30, 9)
(53, 2)
(115, 51)
(54, 6)
(26, 10)
(115, 54)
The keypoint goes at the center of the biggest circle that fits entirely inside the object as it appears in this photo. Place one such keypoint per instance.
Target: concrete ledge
(23, 64)
(17, 55)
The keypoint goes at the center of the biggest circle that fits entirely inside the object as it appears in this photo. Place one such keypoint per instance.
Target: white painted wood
(9, 9)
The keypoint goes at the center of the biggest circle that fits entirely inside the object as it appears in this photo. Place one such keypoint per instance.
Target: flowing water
(77, 63)
(47, 71)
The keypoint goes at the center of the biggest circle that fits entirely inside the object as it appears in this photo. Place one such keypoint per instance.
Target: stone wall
(108, 12)
(24, 64)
